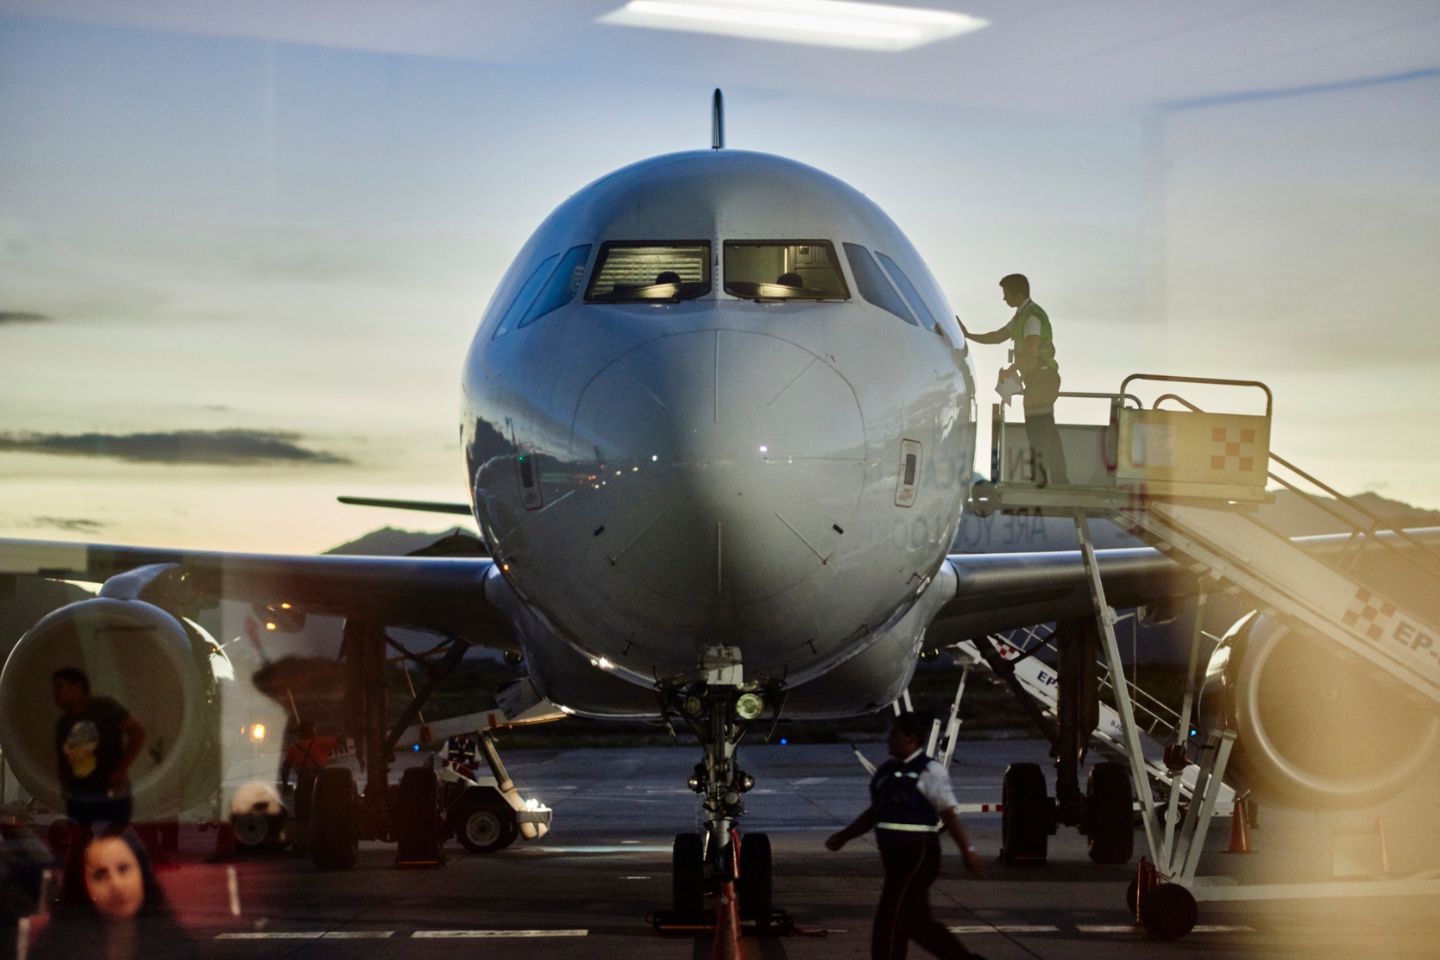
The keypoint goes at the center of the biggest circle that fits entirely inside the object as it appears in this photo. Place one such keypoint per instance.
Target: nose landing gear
(735, 871)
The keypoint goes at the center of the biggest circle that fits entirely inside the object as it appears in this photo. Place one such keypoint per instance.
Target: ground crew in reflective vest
(1033, 358)
(308, 755)
(910, 802)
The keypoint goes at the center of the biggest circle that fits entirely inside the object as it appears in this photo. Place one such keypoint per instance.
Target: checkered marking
(1224, 450)
(1369, 614)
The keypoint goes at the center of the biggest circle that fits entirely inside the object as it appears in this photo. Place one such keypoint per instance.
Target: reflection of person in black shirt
(96, 741)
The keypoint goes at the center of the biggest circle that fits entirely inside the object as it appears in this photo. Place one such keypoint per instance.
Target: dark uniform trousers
(1042, 387)
(912, 862)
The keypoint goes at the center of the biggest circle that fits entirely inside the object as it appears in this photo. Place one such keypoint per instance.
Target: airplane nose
(728, 464)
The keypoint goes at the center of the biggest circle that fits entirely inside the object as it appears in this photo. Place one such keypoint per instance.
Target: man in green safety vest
(1032, 356)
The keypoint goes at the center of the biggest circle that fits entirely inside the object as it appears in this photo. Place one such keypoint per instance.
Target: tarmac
(585, 890)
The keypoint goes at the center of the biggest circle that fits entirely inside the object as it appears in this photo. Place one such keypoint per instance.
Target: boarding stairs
(1156, 719)
(1189, 481)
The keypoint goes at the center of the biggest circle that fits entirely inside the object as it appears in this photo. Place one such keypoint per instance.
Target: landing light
(271, 625)
(257, 732)
(832, 23)
(749, 706)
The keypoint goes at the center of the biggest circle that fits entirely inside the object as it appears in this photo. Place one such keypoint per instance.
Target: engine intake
(1315, 727)
(160, 667)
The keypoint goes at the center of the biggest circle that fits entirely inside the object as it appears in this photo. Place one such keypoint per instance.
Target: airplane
(719, 427)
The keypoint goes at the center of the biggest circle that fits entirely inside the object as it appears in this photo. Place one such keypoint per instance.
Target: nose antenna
(717, 121)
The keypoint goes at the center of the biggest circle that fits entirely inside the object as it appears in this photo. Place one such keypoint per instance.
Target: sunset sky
(243, 247)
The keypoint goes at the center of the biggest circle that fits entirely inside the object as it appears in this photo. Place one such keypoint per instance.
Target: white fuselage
(661, 477)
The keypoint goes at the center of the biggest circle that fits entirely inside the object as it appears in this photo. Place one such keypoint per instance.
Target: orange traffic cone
(728, 945)
(1240, 828)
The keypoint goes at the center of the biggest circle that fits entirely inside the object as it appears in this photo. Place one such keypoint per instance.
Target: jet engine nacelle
(165, 670)
(1315, 727)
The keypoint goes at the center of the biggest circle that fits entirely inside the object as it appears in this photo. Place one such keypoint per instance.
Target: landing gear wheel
(688, 875)
(485, 824)
(1132, 899)
(756, 878)
(258, 831)
(1108, 814)
(334, 837)
(417, 818)
(1027, 817)
(1168, 911)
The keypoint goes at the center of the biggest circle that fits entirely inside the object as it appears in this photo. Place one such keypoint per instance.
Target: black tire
(334, 834)
(756, 878)
(1109, 821)
(258, 831)
(1028, 815)
(687, 878)
(1132, 899)
(417, 817)
(484, 824)
(1168, 912)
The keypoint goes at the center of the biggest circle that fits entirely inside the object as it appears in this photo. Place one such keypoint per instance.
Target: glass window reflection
(783, 270)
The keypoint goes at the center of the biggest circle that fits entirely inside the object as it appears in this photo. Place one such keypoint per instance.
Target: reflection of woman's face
(113, 879)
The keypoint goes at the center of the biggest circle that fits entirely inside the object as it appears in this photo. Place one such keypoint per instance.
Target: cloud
(240, 447)
(22, 316)
(69, 524)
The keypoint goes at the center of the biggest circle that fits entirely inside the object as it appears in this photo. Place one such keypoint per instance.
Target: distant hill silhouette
(1291, 514)
(1298, 517)
(393, 542)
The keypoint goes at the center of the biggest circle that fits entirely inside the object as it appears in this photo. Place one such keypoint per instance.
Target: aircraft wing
(1004, 591)
(441, 594)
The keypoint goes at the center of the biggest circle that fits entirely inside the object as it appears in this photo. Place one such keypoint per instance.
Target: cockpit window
(526, 296)
(873, 285)
(907, 290)
(562, 286)
(648, 270)
(783, 270)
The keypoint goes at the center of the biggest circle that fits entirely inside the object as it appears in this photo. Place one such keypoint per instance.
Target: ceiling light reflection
(864, 26)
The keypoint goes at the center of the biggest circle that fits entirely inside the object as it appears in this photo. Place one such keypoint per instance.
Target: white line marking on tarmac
(477, 934)
(1006, 928)
(232, 884)
(309, 935)
(1134, 928)
(1220, 928)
